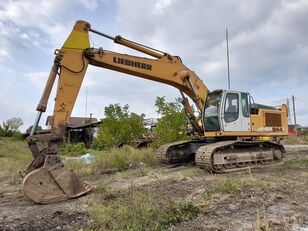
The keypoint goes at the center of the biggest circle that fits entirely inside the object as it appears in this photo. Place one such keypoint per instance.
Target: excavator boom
(46, 179)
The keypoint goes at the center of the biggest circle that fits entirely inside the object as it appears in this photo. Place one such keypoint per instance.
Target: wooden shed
(79, 129)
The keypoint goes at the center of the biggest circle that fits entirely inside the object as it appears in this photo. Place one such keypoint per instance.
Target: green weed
(193, 171)
(232, 185)
(116, 159)
(142, 211)
(122, 158)
(224, 186)
(297, 163)
(73, 149)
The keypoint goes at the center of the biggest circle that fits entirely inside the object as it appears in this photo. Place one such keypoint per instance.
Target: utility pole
(228, 57)
(293, 100)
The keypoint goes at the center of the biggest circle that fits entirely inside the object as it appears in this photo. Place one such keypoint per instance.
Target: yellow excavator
(229, 132)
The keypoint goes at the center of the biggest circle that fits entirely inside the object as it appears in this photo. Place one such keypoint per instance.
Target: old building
(79, 129)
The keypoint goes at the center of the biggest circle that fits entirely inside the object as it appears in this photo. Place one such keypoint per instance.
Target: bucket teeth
(52, 182)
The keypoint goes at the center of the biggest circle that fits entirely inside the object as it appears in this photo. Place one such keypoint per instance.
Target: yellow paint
(165, 69)
(79, 37)
(77, 40)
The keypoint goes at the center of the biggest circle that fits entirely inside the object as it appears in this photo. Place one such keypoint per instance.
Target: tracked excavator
(229, 132)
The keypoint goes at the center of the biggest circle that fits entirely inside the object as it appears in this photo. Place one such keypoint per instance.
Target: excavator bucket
(52, 182)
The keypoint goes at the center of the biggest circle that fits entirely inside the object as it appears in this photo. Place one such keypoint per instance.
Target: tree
(38, 129)
(10, 126)
(119, 127)
(173, 123)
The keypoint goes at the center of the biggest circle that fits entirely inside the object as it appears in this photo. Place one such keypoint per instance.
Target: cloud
(268, 43)
(38, 79)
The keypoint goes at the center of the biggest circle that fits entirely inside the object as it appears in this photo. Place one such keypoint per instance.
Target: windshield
(210, 115)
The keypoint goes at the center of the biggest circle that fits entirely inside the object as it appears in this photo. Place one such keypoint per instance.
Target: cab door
(230, 112)
(235, 114)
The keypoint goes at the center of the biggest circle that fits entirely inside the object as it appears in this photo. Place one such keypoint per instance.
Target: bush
(73, 149)
(10, 126)
(122, 158)
(172, 125)
(18, 136)
(119, 127)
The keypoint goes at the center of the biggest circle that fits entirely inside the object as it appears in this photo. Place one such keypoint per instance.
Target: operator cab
(227, 110)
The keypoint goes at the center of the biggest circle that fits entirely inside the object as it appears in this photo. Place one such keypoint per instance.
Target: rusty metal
(46, 180)
(52, 182)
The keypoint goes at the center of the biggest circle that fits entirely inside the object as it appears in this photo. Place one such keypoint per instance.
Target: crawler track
(230, 156)
(173, 153)
(224, 156)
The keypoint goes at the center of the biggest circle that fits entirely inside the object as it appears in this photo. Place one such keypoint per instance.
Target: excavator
(230, 126)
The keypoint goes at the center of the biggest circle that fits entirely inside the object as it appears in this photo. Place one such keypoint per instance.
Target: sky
(268, 44)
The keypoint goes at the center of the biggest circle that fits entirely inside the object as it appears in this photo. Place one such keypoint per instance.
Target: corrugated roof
(77, 122)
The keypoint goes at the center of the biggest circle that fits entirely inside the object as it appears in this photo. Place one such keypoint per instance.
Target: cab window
(245, 104)
(231, 108)
(210, 114)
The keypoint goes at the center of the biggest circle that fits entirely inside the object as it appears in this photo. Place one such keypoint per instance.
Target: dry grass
(194, 171)
(14, 157)
(256, 184)
(294, 139)
(297, 163)
(123, 158)
(261, 224)
(137, 172)
(141, 211)
(228, 185)
(117, 159)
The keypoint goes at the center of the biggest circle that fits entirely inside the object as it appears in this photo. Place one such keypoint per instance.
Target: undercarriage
(222, 156)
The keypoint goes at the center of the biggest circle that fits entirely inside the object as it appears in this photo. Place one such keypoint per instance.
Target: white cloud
(38, 79)
(162, 5)
(89, 4)
(3, 53)
(267, 40)
(24, 36)
(268, 47)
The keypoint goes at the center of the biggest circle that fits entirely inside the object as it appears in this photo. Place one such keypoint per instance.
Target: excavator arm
(46, 179)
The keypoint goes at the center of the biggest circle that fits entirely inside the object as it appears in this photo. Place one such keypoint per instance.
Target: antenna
(289, 112)
(228, 57)
(293, 100)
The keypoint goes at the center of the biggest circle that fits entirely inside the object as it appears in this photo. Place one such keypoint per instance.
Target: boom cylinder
(36, 122)
(48, 87)
(133, 45)
(118, 39)
(41, 107)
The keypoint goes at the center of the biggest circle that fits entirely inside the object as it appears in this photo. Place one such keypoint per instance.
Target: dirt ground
(274, 198)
